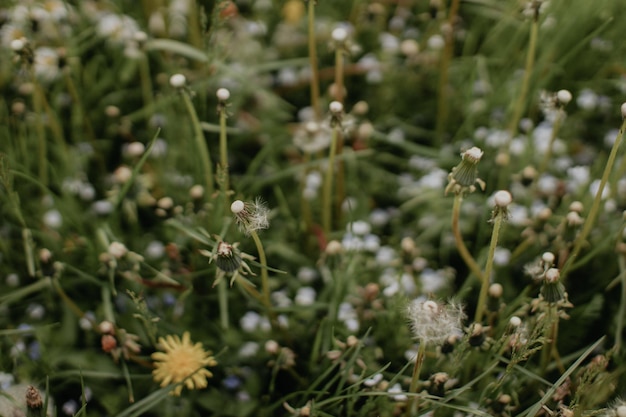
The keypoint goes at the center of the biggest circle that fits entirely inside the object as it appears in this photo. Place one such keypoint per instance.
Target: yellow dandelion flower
(181, 360)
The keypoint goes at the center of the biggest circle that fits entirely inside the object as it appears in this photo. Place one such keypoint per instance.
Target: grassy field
(299, 208)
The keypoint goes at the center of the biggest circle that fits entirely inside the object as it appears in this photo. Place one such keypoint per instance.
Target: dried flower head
(250, 216)
(432, 323)
(464, 176)
(182, 361)
(229, 260)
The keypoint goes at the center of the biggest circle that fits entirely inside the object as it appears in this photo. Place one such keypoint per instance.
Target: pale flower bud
(237, 206)
(335, 107)
(339, 34)
(178, 80)
(548, 258)
(496, 290)
(515, 321)
(564, 96)
(552, 275)
(222, 94)
(623, 108)
(503, 198)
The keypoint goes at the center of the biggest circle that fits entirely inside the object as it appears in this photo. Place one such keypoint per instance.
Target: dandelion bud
(623, 108)
(334, 247)
(564, 96)
(117, 250)
(335, 107)
(496, 290)
(106, 327)
(237, 206)
(552, 275)
(108, 343)
(272, 347)
(576, 206)
(548, 258)
(222, 94)
(228, 258)
(437, 385)
(573, 219)
(552, 289)
(196, 192)
(465, 174)
(477, 335)
(515, 321)
(178, 80)
(339, 34)
(34, 403)
(502, 198)
(17, 45)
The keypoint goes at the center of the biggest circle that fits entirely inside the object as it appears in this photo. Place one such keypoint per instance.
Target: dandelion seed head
(432, 322)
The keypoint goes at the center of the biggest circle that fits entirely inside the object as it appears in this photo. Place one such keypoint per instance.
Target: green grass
(116, 191)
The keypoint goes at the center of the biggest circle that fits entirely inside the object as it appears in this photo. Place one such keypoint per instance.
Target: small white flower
(399, 395)
(305, 296)
(373, 380)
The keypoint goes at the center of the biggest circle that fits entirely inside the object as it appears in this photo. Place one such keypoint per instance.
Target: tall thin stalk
(315, 75)
(328, 183)
(201, 145)
(458, 238)
(413, 405)
(482, 298)
(444, 70)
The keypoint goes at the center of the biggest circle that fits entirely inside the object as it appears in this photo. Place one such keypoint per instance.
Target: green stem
(225, 180)
(146, 81)
(413, 405)
(595, 207)
(265, 282)
(328, 183)
(222, 296)
(315, 76)
(41, 137)
(548, 155)
(339, 84)
(619, 322)
(458, 239)
(442, 96)
(200, 144)
(484, 288)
